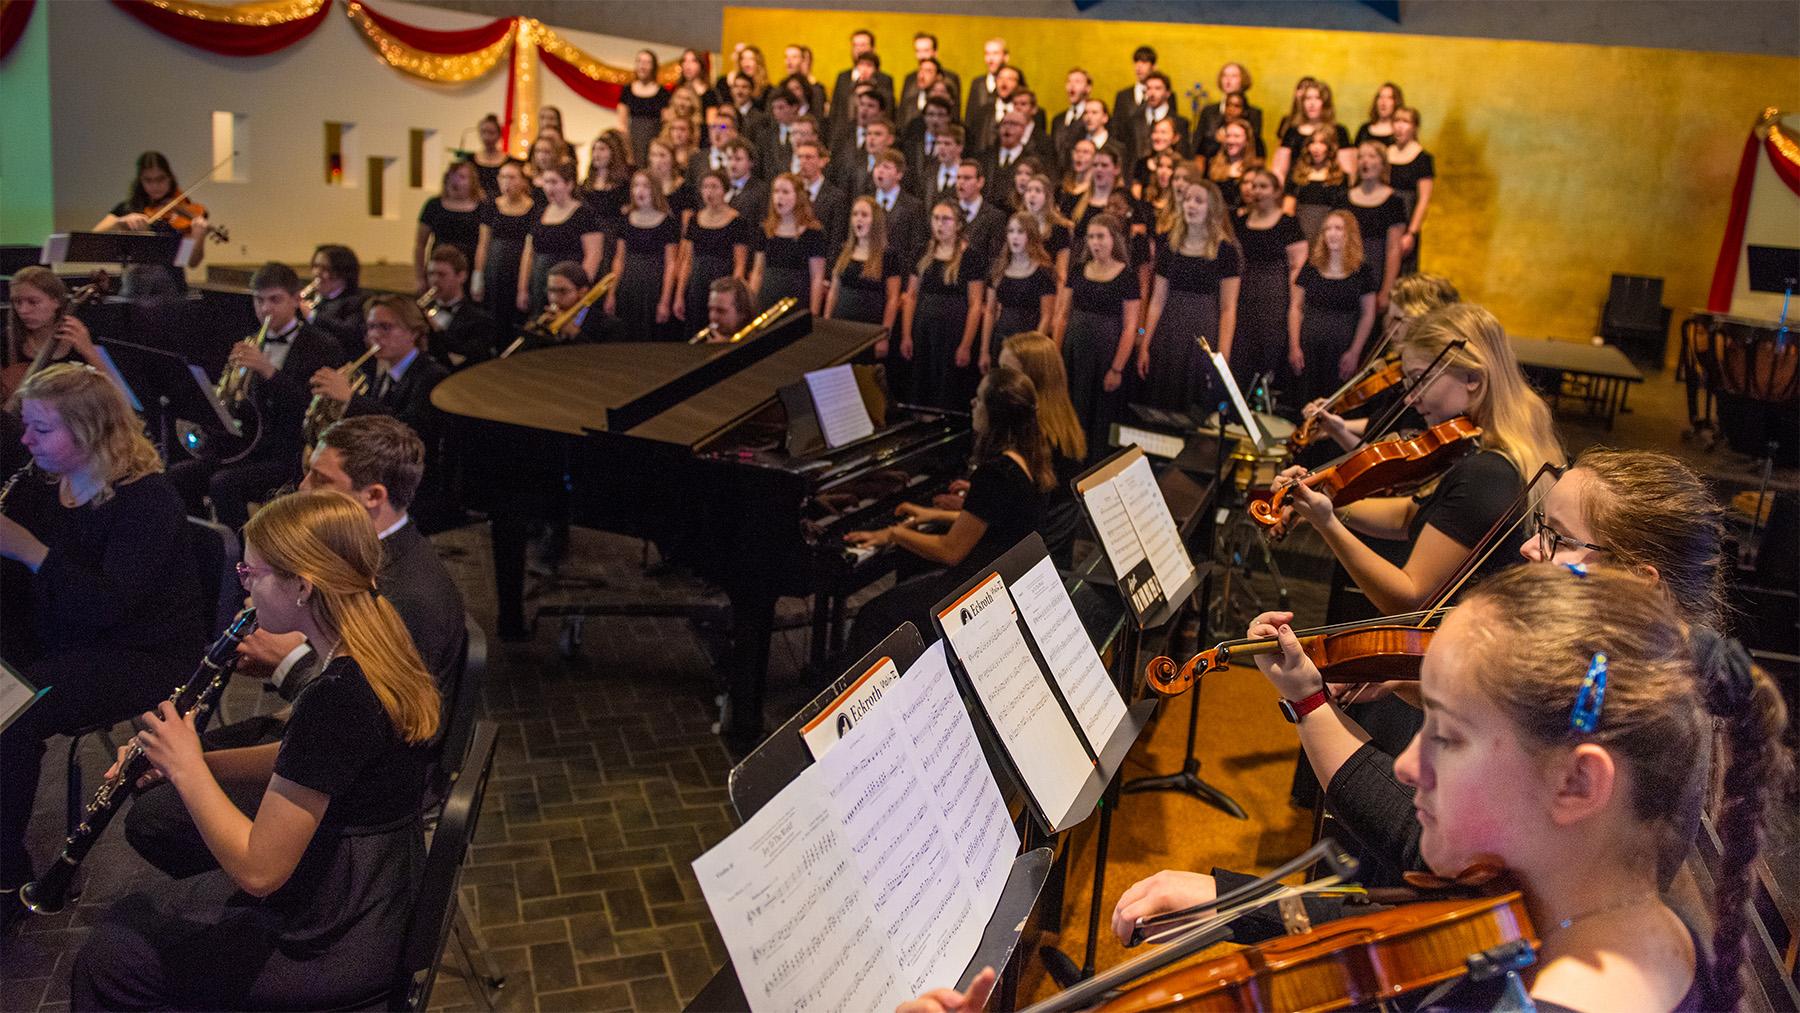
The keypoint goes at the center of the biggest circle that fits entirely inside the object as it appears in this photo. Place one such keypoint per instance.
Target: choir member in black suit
(400, 377)
(721, 130)
(1000, 162)
(644, 100)
(715, 244)
(984, 131)
(947, 154)
(984, 222)
(790, 256)
(906, 216)
(564, 229)
(1037, 133)
(505, 222)
(1274, 250)
(776, 152)
(752, 121)
(919, 86)
(918, 142)
(865, 68)
(855, 177)
(643, 300)
(994, 55)
(1158, 105)
(830, 205)
(1234, 79)
(1316, 113)
(1101, 133)
(101, 598)
(1380, 217)
(1067, 127)
(1331, 309)
(1411, 172)
(379, 462)
(1316, 184)
(278, 385)
(1128, 101)
(925, 50)
(848, 145)
(942, 313)
(1380, 125)
(867, 276)
(452, 218)
(462, 332)
(1233, 163)
(1021, 289)
(744, 191)
(1097, 323)
(1195, 294)
(338, 311)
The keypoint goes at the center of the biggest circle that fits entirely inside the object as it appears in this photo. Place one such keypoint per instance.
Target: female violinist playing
(39, 313)
(1413, 296)
(151, 189)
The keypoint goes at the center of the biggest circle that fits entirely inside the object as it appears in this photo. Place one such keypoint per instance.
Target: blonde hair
(1514, 420)
(103, 425)
(1043, 365)
(325, 539)
(1353, 249)
(1218, 226)
(1382, 173)
(1651, 510)
(1415, 295)
(872, 267)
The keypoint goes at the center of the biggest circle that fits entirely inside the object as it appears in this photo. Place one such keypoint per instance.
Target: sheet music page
(925, 902)
(1113, 524)
(788, 898)
(983, 630)
(854, 704)
(843, 417)
(1244, 414)
(1064, 643)
(943, 738)
(1155, 526)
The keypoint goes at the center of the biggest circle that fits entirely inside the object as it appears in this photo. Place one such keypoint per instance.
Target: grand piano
(693, 446)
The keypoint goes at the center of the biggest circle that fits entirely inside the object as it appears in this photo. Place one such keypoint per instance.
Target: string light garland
(259, 14)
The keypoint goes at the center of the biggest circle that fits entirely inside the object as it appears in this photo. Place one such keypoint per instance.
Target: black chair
(1635, 319)
(462, 707)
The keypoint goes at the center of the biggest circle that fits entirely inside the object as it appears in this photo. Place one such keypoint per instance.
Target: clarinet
(48, 893)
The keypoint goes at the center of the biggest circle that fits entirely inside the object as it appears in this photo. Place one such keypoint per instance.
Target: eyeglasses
(1549, 539)
(247, 572)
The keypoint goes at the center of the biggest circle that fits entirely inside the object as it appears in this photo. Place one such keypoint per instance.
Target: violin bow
(183, 195)
(1381, 426)
(1521, 508)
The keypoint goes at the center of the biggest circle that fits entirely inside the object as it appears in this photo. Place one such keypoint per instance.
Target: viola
(1351, 396)
(1376, 470)
(1376, 651)
(1358, 961)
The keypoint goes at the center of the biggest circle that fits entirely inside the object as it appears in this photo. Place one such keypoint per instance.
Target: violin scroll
(1167, 680)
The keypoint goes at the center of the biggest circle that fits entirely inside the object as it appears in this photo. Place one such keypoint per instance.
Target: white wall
(1773, 220)
(118, 88)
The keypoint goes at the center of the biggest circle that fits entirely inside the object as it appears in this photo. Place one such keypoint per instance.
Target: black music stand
(1775, 269)
(15, 257)
(184, 391)
(121, 248)
(783, 755)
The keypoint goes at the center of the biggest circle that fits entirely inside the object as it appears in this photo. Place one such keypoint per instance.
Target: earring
(299, 603)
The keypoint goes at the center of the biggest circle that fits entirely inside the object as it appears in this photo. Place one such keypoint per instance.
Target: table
(1598, 376)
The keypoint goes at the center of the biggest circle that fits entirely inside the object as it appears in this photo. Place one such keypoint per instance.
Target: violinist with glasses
(152, 188)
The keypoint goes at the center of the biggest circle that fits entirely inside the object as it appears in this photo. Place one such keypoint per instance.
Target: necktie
(946, 179)
(735, 190)
(887, 203)
(385, 385)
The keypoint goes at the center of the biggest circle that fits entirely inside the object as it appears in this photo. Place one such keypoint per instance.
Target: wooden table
(1597, 376)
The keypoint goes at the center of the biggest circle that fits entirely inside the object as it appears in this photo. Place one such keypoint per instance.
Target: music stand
(184, 391)
(121, 248)
(15, 257)
(1775, 269)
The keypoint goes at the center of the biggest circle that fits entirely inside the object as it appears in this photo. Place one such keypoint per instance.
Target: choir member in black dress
(1022, 287)
(1380, 126)
(545, 153)
(644, 100)
(101, 598)
(694, 80)
(1316, 113)
(462, 332)
(452, 218)
(37, 313)
(1195, 294)
(682, 195)
(1411, 172)
(1159, 142)
(1293, 115)
(153, 185)
(1274, 249)
(1097, 323)
(790, 254)
(505, 222)
(942, 313)
(682, 127)
(1317, 184)
(716, 244)
(1414, 296)
(645, 264)
(1078, 176)
(1005, 503)
(607, 186)
(1053, 229)
(313, 897)
(1332, 309)
(562, 229)
(338, 311)
(1109, 193)
(1232, 162)
(1380, 216)
(867, 277)
(491, 156)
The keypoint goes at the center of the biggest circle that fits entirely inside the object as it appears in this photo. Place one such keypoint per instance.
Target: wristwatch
(1294, 710)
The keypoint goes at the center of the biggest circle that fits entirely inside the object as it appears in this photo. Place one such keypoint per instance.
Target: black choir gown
(1180, 374)
(1020, 305)
(461, 229)
(1405, 181)
(714, 257)
(1374, 223)
(938, 323)
(1090, 343)
(864, 299)
(1260, 343)
(639, 292)
(500, 273)
(553, 244)
(787, 267)
(1329, 314)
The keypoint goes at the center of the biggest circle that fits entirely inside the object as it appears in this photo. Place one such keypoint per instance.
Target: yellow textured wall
(1557, 164)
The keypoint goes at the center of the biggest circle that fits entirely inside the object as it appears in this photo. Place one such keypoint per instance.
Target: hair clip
(1581, 570)
(1589, 698)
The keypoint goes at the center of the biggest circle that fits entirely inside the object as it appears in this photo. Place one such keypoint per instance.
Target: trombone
(757, 323)
(550, 323)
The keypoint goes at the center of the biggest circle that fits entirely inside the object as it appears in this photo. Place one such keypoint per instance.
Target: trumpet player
(399, 378)
(292, 351)
(463, 332)
(337, 308)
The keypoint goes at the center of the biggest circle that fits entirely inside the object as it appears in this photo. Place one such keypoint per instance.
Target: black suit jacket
(1212, 117)
(988, 231)
(752, 202)
(1125, 104)
(341, 316)
(980, 97)
(1062, 131)
(908, 224)
(909, 87)
(843, 96)
(832, 208)
(282, 399)
(1140, 134)
(471, 337)
(773, 157)
(408, 400)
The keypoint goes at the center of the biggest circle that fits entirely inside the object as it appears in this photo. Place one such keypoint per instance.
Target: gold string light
(441, 67)
(262, 14)
(525, 86)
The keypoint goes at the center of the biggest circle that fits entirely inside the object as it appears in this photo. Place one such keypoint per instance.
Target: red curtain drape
(223, 38)
(432, 41)
(598, 92)
(14, 16)
(1718, 299)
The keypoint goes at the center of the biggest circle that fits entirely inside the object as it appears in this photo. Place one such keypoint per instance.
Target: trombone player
(565, 287)
(728, 309)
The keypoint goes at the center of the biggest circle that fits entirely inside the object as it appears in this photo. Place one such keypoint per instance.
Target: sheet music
(924, 901)
(789, 901)
(1064, 643)
(1160, 444)
(1113, 524)
(16, 694)
(1155, 526)
(843, 417)
(943, 739)
(1244, 414)
(983, 630)
(851, 706)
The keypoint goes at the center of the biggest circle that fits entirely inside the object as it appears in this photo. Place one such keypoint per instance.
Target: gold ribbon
(1783, 142)
(261, 13)
(526, 74)
(667, 74)
(452, 68)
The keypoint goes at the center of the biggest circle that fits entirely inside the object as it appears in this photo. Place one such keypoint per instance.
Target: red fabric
(14, 16)
(224, 39)
(454, 43)
(1718, 300)
(598, 92)
(1788, 171)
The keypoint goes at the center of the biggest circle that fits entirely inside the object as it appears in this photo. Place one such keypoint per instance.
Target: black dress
(172, 274)
(553, 244)
(645, 119)
(787, 267)
(1296, 140)
(1180, 374)
(489, 176)
(1329, 315)
(1260, 343)
(1374, 223)
(939, 319)
(332, 933)
(461, 229)
(1364, 133)
(609, 206)
(1021, 304)
(1090, 344)
(1405, 181)
(863, 299)
(714, 255)
(1315, 199)
(500, 274)
(639, 291)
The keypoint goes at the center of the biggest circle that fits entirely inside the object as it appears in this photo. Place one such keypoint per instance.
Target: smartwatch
(1294, 710)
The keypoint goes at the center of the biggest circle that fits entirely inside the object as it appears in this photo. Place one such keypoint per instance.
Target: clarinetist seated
(99, 596)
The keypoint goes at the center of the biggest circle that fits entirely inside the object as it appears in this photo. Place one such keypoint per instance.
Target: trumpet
(757, 323)
(322, 411)
(234, 384)
(309, 299)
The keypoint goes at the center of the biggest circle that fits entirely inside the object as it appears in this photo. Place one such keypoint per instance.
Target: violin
(1353, 395)
(1376, 470)
(179, 214)
(1377, 650)
(1364, 960)
(14, 376)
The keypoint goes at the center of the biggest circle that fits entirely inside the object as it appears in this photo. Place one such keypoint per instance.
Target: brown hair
(740, 296)
(379, 450)
(1034, 247)
(1380, 152)
(1042, 363)
(411, 317)
(1665, 684)
(658, 199)
(872, 267)
(1303, 172)
(1514, 420)
(1121, 249)
(103, 425)
(1012, 424)
(1375, 100)
(1651, 510)
(618, 162)
(44, 280)
(952, 267)
(444, 253)
(1352, 257)
(136, 199)
(462, 165)
(803, 211)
